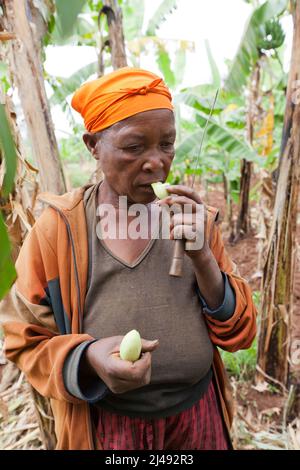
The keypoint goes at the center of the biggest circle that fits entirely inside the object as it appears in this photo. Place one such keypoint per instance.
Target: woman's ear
(91, 141)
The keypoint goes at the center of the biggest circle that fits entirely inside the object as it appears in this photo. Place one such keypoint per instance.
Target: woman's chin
(141, 200)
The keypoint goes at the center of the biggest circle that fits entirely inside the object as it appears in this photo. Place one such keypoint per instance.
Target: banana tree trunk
(116, 35)
(243, 222)
(27, 72)
(277, 284)
(228, 218)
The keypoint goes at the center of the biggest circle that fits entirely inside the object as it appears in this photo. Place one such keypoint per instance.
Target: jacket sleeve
(239, 330)
(227, 307)
(32, 339)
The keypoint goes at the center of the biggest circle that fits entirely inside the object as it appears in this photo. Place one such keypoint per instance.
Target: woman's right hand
(103, 358)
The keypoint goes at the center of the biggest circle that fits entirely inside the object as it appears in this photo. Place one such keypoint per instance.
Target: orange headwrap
(118, 95)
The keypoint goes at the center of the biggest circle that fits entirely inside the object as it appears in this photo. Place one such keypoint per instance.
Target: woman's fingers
(182, 190)
(148, 345)
(188, 232)
(185, 219)
(185, 203)
(133, 373)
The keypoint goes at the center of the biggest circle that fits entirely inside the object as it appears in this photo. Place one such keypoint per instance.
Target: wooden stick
(176, 268)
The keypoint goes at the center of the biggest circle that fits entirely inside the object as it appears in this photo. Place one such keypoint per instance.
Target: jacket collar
(64, 202)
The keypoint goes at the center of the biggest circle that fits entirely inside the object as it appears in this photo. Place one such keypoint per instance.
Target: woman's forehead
(163, 118)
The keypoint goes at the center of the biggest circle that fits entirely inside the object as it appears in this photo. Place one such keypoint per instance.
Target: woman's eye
(133, 148)
(167, 145)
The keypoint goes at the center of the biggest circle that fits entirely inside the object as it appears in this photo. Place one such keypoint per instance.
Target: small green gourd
(131, 346)
(160, 189)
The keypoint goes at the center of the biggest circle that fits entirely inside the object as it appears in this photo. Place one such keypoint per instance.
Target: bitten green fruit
(131, 346)
(160, 189)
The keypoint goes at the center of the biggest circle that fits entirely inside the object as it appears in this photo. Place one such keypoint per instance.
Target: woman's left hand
(189, 223)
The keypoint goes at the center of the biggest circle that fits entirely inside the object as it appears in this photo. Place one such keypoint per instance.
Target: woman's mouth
(146, 187)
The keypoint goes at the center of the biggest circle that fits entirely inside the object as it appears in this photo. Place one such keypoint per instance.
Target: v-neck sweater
(142, 296)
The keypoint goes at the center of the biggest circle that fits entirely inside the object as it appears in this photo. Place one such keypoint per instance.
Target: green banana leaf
(70, 84)
(164, 63)
(218, 136)
(248, 51)
(133, 18)
(67, 15)
(180, 62)
(166, 7)
(7, 270)
(200, 103)
(9, 151)
(216, 77)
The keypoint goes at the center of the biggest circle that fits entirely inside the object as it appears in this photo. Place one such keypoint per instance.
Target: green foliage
(78, 162)
(180, 61)
(256, 296)
(225, 144)
(133, 18)
(272, 36)
(227, 141)
(7, 270)
(166, 7)
(78, 176)
(248, 51)
(164, 63)
(45, 8)
(72, 149)
(216, 77)
(172, 73)
(67, 15)
(242, 363)
(3, 76)
(63, 87)
(8, 148)
(219, 137)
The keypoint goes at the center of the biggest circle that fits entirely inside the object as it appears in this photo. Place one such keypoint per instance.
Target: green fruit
(131, 346)
(272, 35)
(160, 189)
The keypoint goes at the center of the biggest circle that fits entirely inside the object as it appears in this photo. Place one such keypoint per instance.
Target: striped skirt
(200, 427)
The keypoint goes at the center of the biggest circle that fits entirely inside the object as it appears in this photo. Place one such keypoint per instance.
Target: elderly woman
(78, 293)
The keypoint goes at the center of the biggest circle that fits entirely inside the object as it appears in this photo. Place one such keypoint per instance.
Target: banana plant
(254, 38)
(165, 8)
(8, 151)
(66, 17)
(225, 131)
(81, 27)
(63, 87)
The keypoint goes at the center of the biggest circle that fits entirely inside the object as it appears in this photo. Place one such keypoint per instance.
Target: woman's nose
(153, 163)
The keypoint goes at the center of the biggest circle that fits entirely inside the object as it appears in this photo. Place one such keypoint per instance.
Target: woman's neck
(106, 195)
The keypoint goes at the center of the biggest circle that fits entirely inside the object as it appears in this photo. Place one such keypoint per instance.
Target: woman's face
(136, 152)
